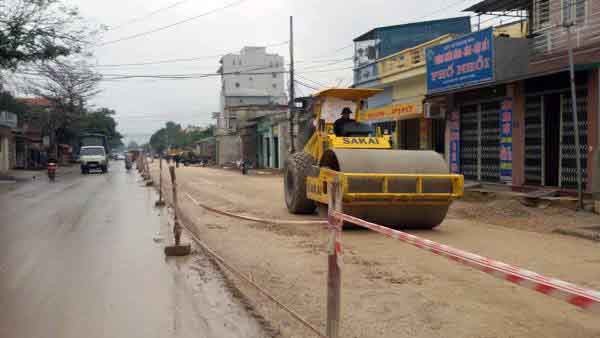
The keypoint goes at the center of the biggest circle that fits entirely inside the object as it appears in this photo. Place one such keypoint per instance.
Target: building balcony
(401, 65)
(555, 39)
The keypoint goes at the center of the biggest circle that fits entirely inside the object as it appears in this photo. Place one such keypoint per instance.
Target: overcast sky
(321, 28)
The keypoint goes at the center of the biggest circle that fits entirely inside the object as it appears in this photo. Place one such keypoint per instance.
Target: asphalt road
(82, 257)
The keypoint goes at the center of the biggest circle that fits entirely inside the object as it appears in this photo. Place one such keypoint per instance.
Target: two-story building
(393, 59)
(31, 152)
(8, 123)
(506, 94)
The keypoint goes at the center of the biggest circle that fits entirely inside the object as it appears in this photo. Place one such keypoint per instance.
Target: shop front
(8, 123)
(549, 142)
(482, 140)
(267, 144)
(467, 80)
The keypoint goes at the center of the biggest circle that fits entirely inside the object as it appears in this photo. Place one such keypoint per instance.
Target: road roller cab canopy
(349, 94)
(330, 102)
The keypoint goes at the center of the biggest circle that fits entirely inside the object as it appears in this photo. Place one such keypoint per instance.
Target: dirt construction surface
(390, 289)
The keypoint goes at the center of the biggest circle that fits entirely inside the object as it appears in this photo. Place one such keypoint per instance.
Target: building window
(250, 78)
(573, 11)
(274, 75)
(237, 85)
(274, 85)
(541, 14)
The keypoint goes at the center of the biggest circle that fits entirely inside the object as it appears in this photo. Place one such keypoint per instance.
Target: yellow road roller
(394, 188)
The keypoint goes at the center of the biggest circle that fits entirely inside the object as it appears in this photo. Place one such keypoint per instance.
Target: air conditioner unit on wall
(434, 110)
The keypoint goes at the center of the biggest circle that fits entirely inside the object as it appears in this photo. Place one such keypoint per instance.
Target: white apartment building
(252, 77)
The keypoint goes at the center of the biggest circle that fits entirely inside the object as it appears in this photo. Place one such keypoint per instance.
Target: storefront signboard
(462, 62)
(393, 112)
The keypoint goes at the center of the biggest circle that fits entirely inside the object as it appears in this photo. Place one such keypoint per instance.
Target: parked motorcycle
(52, 171)
(243, 165)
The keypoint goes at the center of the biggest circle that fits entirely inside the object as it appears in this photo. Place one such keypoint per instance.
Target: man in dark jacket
(338, 126)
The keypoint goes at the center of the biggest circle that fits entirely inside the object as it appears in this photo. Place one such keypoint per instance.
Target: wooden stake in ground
(177, 249)
(160, 202)
(147, 176)
(334, 275)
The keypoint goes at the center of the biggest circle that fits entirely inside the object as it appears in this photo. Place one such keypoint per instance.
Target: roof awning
(489, 6)
(349, 94)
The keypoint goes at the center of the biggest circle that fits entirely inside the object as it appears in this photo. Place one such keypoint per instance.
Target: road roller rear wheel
(296, 169)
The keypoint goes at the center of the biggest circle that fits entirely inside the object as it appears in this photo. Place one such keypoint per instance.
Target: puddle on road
(217, 305)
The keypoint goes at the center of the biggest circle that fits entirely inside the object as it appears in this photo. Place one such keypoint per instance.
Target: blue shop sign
(462, 62)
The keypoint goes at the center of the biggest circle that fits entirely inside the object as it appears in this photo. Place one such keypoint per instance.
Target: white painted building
(252, 80)
(252, 77)
(8, 122)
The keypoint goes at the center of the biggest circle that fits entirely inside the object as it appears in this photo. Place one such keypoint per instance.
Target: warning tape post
(583, 298)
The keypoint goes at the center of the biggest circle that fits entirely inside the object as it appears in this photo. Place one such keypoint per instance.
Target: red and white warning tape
(586, 299)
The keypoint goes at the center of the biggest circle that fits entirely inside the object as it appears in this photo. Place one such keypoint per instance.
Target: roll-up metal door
(490, 141)
(469, 141)
(534, 140)
(568, 163)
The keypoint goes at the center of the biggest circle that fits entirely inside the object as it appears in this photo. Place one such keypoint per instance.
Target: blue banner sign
(462, 62)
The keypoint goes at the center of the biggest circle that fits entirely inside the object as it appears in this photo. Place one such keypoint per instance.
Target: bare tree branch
(39, 30)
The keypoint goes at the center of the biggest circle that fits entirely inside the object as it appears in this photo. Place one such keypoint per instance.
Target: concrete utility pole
(569, 23)
(292, 105)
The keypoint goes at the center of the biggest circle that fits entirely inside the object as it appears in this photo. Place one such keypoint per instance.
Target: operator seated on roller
(338, 126)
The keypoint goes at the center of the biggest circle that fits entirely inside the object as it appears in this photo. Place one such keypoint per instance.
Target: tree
(39, 30)
(100, 121)
(68, 85)
(172, 135)
(198, 135)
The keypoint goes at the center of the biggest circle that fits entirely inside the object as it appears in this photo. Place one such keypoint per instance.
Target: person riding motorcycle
(128, 162)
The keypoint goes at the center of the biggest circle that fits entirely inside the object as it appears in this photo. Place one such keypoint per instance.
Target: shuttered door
(568, 163)
(490, 141)
(469, 141)
(480, 141)
(534, 140)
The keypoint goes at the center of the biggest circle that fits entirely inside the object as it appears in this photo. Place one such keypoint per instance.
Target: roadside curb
(578, 232)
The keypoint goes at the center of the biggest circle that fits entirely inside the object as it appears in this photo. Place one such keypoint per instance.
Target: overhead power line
(176, 60)
(337, 50)
(439, 10)
(329, 64)
(306, 85)
(151, 14)
(134, 36)
(320, 84)
(197, 58)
